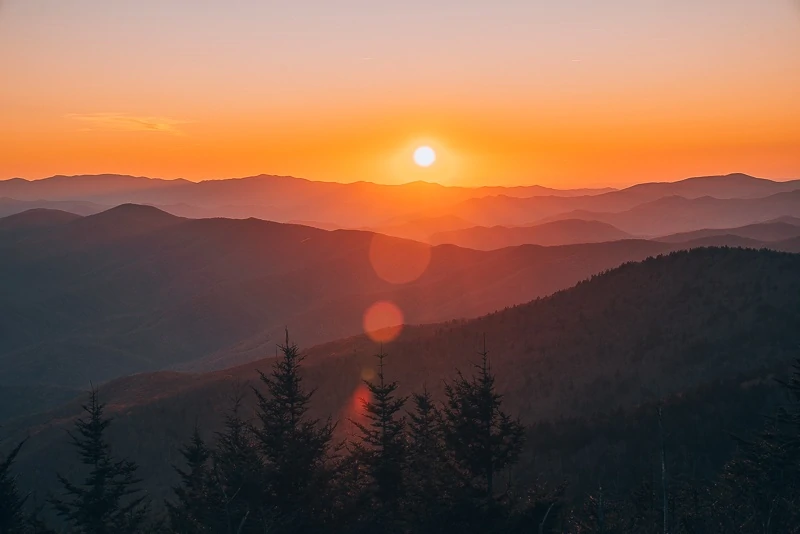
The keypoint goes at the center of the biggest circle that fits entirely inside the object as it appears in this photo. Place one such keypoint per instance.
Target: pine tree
(482, 439)
(236, 502)
(381, 450)
(107, 501)
(296, 449)
(429, 475)
(12, 518)
(189, 515)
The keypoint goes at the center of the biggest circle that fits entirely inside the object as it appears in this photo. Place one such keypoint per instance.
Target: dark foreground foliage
(412, 466)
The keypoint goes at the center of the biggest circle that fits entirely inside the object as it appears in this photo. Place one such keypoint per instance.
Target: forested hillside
(691, 327)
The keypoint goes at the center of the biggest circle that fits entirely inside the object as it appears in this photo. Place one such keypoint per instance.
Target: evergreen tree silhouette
(296, 449)
(108, 500)
(482, 439)
(12, 518)
(236, 494)
(430, 478)
(381, 451)
(190, 514)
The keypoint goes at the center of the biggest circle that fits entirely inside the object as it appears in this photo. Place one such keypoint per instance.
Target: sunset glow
(564, 94)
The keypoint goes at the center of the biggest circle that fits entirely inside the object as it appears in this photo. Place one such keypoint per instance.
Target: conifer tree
(429, 476)
(296, 449)
(236, 493)
(108, 500)
(190, 514)
(381, 450)
(12, 518)
(482, 439)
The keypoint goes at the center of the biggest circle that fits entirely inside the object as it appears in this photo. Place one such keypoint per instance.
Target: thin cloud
(122, 122)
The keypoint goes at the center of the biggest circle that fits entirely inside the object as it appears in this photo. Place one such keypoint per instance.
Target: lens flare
(398, 261)
(367, 373)
(383, 322)
(355, 409)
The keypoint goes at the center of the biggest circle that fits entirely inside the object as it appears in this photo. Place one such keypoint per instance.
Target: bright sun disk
(424, 156)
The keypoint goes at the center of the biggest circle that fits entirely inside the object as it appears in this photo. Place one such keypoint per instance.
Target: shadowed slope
(638, 333)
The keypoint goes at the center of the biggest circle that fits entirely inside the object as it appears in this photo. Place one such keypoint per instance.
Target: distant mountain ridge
(215, 290)
(777, 230)
(562, 232)
(366, 204)
(675, 214)
(135, 289)
(278, 198)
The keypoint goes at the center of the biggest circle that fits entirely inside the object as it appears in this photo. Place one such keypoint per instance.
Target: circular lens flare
(398, 261)
(424, 156)
(383, 322)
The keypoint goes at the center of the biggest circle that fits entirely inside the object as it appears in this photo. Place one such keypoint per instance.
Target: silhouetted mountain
(645, 331)
(770, 231)
(675, 214)
(423, 229)
(34, 219)
(736, 185)
(507, 211)
(364, 204)
(134, 289)
(10, 206)
(111, 187)
(787, 219)
(566, 232)
(278, 198)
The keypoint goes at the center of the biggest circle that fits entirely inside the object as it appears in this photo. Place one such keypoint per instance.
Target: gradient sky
(562, 93)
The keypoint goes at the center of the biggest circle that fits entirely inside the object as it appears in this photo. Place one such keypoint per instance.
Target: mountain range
(664, 328)
(277, 198)
(562, 232)
(415, 210)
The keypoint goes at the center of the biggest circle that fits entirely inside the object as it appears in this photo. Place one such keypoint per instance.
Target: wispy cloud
(123, 122)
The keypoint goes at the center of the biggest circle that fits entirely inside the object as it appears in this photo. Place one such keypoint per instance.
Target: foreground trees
(12, 517)
(422, 470)
(108, 500)
(415, 465)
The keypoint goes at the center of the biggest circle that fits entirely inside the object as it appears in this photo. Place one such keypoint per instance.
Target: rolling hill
(35, 219)
(778, 230)
(134, 289)
(277, 198)
(670, 215)
(564, 232)
(369, 205)
(12, 206)
(665, 327)
(423, 229)
(735, 185)
(724, 195)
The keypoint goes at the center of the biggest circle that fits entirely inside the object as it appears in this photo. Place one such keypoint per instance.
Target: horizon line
(433, 183)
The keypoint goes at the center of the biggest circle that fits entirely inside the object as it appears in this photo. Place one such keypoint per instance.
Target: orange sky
(566, 94)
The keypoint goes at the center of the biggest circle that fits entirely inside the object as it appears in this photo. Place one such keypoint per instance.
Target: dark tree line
(414, 466)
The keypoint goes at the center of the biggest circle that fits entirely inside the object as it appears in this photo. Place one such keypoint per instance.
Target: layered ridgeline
(277, 198)
(134, 289)
(704, 325)
(418, 210)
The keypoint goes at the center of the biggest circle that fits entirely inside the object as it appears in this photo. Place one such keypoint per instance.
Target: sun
(424, 156)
